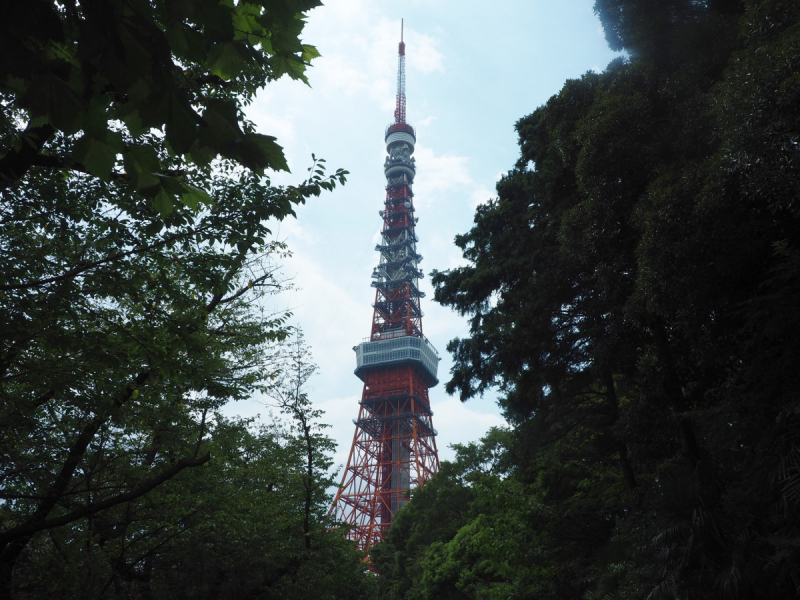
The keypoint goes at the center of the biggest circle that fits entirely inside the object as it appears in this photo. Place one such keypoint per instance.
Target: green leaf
(290, 66)
(246, 25)
(310, 53)
(141, 159)
(200, 154)
(194, 196)
(59, 100)
(177, 39)
(133, 119)
(62, 51)
(181, 125)
(144, 181)
(95, 120)
(99, 159)
(225, 61)
(222, 118)
(266, 152)
(163, 203)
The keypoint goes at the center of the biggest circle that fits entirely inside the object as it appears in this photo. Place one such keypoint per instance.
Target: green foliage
(474, 531)
(231, 529)
(121, 327)
(632, 293)
(108, 73)
(135, 240)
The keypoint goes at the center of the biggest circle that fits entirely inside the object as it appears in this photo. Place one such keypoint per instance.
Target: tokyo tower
(394, 446)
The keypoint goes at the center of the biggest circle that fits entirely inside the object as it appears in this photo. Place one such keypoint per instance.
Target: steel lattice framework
(394, 445)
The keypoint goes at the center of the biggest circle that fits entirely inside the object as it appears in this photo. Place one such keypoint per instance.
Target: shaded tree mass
(632, 291)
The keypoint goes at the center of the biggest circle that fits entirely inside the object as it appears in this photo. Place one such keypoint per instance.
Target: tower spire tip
(400, 111)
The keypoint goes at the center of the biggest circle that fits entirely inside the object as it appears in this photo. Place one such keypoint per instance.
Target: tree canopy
(107, 73)
(137, 255)
(632, 293)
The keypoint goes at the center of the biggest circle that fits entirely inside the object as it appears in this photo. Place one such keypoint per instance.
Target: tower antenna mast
(400, 110)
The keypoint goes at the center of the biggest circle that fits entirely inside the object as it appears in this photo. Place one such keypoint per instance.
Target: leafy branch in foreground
(109, 73)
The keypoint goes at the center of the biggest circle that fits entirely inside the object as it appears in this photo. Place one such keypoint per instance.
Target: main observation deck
(406, 349)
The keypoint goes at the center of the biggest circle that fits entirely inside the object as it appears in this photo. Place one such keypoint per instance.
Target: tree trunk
(613, 405)
(674, 392)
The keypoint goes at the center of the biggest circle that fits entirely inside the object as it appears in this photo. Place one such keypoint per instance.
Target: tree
(289, 391)
(234, 528)
(474, 531)
(107, 73)
(629, 292)
(135, 243)
(118, 330)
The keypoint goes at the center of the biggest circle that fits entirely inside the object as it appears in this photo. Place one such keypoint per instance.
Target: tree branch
(90, 509)
(54, 161)
(12, 543)
(81, 268)
(202, 431)
(16, 163)
(243, 291)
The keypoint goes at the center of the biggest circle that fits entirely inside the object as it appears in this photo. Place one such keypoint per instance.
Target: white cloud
(481, 195)
(439, 174)
(458, 422)
(293, 229)
(324, 308)
(341, 117)
(423, 55)
(339, 414)
(359, 50)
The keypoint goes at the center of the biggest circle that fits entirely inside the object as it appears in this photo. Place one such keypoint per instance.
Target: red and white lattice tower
(394, 446)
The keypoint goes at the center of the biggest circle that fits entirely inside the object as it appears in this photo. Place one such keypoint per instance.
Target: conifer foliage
(632, 291)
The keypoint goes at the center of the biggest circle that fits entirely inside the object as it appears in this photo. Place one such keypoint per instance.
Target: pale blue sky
(473, 69)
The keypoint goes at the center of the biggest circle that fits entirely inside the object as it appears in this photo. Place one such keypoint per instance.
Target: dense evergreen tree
(632, 292)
